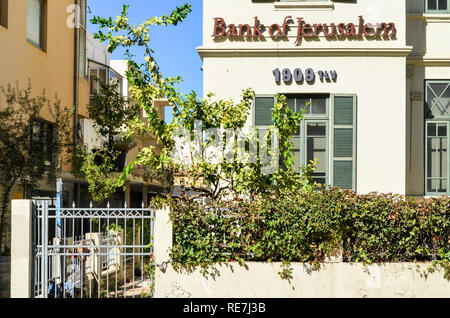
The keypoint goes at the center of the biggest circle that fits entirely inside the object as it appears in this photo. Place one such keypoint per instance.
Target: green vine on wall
(307, 226)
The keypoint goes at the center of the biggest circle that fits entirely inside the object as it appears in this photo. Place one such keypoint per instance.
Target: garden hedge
(308, 226)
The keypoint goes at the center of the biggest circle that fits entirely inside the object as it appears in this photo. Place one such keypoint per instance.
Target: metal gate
(93, 252)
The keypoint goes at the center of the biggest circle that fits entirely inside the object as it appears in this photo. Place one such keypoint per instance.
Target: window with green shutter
(343, 117)
(263, 110)
(327, 134)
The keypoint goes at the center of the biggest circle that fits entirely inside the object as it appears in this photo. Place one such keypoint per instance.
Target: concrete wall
(21, 249)
(261, 280)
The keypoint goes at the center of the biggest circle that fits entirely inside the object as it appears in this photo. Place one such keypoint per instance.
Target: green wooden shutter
(343, 150)
(263, 110)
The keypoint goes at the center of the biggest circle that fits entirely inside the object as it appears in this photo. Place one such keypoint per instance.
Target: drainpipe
(75, 78)
(75, 88)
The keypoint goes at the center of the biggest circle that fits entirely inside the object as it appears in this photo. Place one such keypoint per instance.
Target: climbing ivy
(307, 226)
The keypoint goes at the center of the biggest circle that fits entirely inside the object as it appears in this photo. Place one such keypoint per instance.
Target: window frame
(304, 143)
(92, 65)
(328, 118)
(41, 136)
(315, 118)
(308, 118)
(82, 29)
(118, 77)
(41, 44)
(447, 123)
(438, 120)
(427, 82)
(97, 83)
(90, 79)
(437, 11)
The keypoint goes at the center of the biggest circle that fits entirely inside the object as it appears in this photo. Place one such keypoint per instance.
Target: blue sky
(175, 47)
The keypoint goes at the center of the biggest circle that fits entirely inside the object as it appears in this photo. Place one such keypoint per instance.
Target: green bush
(307, 226)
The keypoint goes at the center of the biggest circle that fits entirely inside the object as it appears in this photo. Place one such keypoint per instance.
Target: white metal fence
(93, 252)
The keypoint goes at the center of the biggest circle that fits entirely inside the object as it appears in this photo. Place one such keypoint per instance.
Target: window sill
(36, 46)
(437, 18)
(302, 5)
(430, 17)
(428, 196)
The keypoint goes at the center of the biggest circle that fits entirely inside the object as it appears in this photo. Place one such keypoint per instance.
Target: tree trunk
(5, 202)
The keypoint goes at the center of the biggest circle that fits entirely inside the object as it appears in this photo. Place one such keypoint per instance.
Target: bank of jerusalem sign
(257, 30)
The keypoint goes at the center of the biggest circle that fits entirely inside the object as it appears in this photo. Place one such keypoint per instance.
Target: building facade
(47, 42)
(372, 78)
(44, 43)
(40, 43)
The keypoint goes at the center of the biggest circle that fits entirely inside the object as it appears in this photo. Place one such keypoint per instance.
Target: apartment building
(41, 44)
(375, 74)
(42, 41)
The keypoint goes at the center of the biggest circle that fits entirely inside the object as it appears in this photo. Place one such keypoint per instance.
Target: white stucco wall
(430, 60)
(244, 11)
(340, 280)
(379, 84)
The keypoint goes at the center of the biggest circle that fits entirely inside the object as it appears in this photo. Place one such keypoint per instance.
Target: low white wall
(261, 280)
(21, 248)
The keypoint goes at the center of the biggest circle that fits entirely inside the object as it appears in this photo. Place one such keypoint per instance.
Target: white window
(82, 40)
(438, 6)
(35, 23)
(97, 76)
(437, 135)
